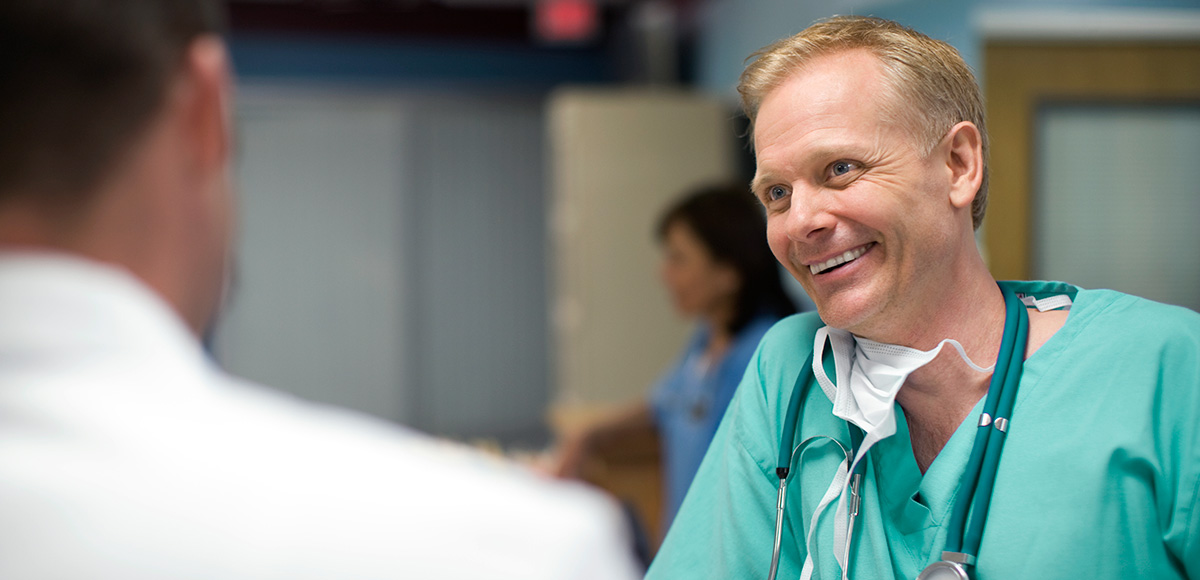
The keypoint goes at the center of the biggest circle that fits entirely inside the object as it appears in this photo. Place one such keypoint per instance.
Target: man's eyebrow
(761, 179)
(758, 181)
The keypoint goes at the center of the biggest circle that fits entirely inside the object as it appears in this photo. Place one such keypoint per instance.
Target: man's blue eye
(841, 168)
(776, 192)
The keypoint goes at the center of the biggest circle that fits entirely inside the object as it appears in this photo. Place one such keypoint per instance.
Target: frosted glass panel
(318, 305)
(392, 257)
(1117, 200)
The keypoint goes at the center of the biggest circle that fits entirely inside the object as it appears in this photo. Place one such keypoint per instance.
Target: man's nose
(809, 215)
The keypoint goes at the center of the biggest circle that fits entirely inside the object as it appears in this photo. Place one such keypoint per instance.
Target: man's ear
(964, 159)
(209, 115)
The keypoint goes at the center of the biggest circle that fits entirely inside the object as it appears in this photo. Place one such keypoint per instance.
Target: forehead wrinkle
(821, 114)
(822, 145)
(816, 149)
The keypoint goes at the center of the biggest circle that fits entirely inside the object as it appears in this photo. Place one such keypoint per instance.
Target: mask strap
(842, 344)
(818, 368)
(833, 492)
(884, 352)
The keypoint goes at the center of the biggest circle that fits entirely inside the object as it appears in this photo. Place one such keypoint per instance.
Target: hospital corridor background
(447, 207)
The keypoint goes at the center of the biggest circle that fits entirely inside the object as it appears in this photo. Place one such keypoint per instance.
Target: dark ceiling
(419, 19)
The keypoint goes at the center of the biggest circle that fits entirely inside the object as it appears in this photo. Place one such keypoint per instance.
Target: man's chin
(844, 314)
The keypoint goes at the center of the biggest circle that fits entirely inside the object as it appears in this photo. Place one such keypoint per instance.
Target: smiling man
(1063, 421)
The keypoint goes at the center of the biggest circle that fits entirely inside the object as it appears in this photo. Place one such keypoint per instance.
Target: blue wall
(427, 64)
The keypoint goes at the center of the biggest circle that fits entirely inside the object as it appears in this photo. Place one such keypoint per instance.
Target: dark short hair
(79, 80)
(729, 222)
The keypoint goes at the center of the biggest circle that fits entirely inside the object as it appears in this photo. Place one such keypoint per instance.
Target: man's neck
(112, 224)
(974, 316)
(937, 397)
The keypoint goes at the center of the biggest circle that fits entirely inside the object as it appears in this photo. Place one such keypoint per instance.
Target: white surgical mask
(869, 375)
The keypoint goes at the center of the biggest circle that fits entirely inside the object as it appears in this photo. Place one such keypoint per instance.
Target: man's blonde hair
(929, 88)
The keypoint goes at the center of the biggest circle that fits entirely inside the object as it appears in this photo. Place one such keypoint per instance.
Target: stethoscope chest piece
(952, 566)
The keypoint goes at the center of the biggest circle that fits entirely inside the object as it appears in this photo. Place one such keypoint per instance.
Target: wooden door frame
(1022, 73)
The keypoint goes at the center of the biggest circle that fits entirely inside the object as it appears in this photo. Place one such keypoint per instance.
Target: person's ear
(964, 160)
(209, 116)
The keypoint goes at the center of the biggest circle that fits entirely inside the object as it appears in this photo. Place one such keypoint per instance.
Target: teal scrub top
(1098, 477)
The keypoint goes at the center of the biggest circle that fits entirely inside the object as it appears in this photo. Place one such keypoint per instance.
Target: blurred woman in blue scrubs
(718, 270)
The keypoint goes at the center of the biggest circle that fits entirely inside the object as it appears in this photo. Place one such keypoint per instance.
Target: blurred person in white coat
(124, 453)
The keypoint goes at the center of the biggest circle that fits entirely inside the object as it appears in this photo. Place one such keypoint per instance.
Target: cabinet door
(618, 158)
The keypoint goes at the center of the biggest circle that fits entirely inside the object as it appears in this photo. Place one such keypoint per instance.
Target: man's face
(843, 182)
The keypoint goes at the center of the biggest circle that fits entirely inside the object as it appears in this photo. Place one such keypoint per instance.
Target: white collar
(57, 308)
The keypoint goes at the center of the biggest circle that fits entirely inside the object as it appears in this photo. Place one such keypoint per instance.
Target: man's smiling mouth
(842, 259)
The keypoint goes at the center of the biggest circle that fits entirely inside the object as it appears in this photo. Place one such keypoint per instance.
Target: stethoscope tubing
(979, 477)
(972, 471)
(998, 430)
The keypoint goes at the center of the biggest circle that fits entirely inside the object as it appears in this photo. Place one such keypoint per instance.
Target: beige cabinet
(617, 157)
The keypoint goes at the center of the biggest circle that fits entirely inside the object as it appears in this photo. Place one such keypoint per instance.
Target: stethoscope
(979, 477)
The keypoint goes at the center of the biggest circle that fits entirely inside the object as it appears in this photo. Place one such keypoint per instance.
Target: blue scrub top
(689, 401)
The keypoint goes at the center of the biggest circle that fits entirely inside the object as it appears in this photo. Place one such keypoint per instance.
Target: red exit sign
(566, 21)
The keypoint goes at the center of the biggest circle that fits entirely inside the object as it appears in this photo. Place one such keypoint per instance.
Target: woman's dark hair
(730, 224)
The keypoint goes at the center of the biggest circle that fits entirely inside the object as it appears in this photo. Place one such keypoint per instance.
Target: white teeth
(836, 260)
